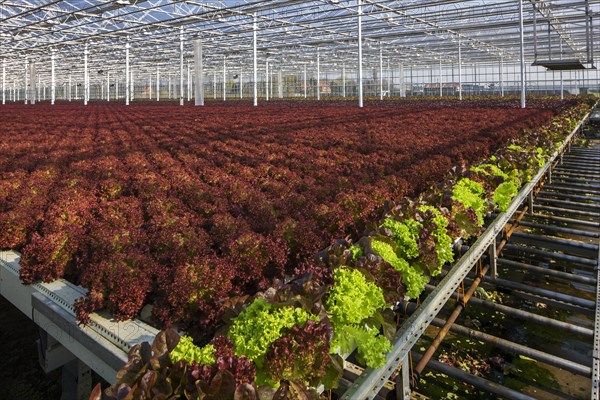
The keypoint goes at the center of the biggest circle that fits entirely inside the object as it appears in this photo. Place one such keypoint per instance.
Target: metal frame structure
(346, 34)
(102, 345)
(371, 381)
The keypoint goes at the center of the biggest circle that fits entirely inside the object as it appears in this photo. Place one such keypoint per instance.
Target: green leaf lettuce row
(443, 242)
(489, 169)
(188, 351)
(371, 346)
(413, 279)
(356, 251)
(260, 324)
(351, 302)
(470, 194)
(504, 194)
(405, 235)
(352, 298)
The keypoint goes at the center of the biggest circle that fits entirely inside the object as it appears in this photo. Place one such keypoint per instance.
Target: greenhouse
(267, 200)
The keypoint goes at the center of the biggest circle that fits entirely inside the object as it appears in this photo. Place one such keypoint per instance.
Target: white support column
(108, 86)
(86, 76)
(241, 84)
(36, 92)
(389, 79)
(215, 84)
(127, 75)
(189, 82)
(181, 102)
(255, 65)
(318, 74)
(402, 84)
(522, 44)
(441, 83)
(131, 86)
(380, 71)
(305, 82)
(149, 86)
(360, 55)
(501, 76)
(343, 80)
(76, 91)
(32, 94)
(459, 69)
(169, 94)
(3, 81)
(70, 87)
(562, 86)
(157, 83)
(25, 95)
(267, 79)
(198, 73)
(280, 84)
(271, 80)
(224, 79)
(53, 77)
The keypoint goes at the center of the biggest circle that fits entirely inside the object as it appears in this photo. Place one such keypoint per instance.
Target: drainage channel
(524, 321)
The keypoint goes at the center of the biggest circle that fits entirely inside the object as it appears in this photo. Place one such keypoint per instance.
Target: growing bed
(193, 211)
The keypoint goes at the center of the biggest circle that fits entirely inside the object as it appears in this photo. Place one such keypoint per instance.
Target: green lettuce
(470, 194)
(405, 235)
(188, 351)
(371, 346)
(504, 194)
(352, 298)
(260, 324)
(352, 303)
(413, 279)
(443, 241)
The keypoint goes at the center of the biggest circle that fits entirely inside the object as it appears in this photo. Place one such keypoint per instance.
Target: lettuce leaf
(188, 351)
(470, 194)
(504, 194)
(413, 279)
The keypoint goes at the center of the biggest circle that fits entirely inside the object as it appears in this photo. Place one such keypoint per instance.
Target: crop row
(285, 341)
(184, 209)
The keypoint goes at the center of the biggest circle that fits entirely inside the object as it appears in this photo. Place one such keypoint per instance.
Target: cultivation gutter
(102, 344)
(369, 383)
